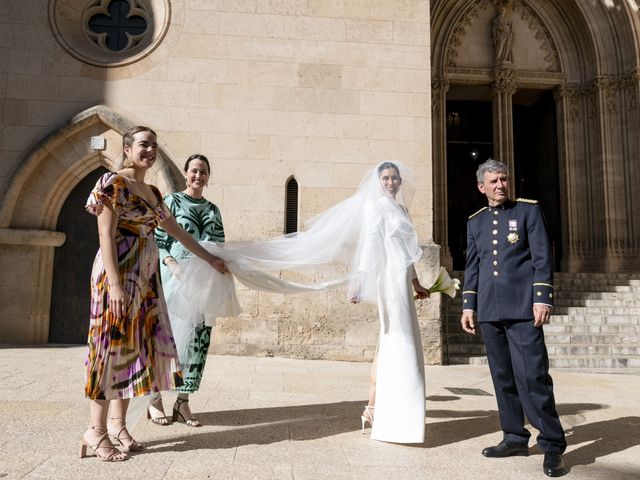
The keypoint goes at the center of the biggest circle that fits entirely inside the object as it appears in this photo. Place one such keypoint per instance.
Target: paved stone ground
(273, 418)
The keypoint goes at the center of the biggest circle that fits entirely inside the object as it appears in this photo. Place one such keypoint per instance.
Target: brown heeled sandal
(179, 417)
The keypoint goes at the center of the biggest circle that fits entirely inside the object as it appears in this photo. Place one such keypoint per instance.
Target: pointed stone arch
(30, 208)
(58, 162)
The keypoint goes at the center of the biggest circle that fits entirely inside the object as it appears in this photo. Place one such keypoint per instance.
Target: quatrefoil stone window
(116, 25)
(109, 33)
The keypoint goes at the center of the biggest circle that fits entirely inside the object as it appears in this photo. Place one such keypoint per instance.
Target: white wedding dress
(372, 236)
(400, 387)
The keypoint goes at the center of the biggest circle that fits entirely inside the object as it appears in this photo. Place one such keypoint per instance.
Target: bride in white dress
(397, 390)
(370, 236)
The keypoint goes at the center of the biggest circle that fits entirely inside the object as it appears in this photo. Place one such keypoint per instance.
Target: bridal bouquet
(445, 284)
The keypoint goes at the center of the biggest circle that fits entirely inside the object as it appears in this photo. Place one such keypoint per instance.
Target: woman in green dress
(202, 219)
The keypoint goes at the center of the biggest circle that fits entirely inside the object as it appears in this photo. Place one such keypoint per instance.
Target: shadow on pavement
(260, 426)
(605, 438)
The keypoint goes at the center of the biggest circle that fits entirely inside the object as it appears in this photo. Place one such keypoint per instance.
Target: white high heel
(367, 416)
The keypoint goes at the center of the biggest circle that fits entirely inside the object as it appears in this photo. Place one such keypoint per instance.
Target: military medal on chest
(513, 236)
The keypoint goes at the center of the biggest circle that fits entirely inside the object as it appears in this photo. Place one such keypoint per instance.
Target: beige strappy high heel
(367, 416)
(124, 438)
(103, 448)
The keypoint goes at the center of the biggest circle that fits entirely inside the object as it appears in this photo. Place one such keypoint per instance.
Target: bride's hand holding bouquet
(444, 284)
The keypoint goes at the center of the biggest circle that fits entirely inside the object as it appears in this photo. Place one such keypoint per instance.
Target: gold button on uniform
(539, 294)
(495, 262)
(495, 232)
(495, 252)
(495, 212)
(495, 274)
(495, 242)
(495, 222)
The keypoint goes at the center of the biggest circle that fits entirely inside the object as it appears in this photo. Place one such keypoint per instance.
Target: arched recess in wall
(57, 163)
(291, 205)
(30, 208)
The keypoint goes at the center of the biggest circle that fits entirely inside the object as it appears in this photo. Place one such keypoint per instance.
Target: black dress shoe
(505, 450)
(553, 466)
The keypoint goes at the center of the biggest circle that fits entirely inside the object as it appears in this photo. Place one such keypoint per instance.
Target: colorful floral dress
(202, 220)
(134, 355)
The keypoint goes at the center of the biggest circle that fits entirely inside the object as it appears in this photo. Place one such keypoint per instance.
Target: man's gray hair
(491, 165)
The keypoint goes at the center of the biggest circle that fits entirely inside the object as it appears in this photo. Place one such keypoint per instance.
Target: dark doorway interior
(469, 143)
(72, 266)
(536, 157)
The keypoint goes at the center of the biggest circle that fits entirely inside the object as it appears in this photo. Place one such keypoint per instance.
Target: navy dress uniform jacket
(509, 262)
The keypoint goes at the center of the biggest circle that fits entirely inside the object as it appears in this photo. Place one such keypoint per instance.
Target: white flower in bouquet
(445, 284)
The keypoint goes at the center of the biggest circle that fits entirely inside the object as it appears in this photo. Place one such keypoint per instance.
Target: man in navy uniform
(508, 285)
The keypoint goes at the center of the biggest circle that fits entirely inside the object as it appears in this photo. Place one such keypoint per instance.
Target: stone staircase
(595, 325)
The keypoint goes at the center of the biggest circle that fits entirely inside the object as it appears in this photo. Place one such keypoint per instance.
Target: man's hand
(541, 314)
(468, 321)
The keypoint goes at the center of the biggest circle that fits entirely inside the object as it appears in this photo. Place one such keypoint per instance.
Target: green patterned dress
(203, 221)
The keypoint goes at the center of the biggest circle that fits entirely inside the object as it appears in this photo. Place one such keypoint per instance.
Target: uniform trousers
(519, 368)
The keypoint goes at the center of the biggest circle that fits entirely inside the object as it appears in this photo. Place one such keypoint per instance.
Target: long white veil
(342, 246)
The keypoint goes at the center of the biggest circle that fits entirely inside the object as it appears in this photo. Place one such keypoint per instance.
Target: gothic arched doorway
(72, 266)
(564, 112)
(469, 135)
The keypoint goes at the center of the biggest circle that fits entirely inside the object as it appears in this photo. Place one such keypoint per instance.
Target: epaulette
(473, 215)
(527, 200)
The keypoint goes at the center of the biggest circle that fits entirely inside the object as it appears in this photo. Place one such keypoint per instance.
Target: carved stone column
(581, 175)
(568, 120)
(439, 88)
(619, 171)
(502, 90)
(631, 118)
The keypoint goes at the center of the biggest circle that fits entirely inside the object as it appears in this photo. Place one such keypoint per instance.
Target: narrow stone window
(291, 206)
(122, 25)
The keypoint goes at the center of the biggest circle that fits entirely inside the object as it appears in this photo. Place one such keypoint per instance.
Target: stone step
(589, 328)
(466, 349)
(596, 339)
(595, 319)
(595, 325)
(467, 360)
(596, 361)
(588, 350)
(629, 294)
(568, 290)
(631, 301)
(602, 363)
(594, 310)
(555, 350)
(453, 324)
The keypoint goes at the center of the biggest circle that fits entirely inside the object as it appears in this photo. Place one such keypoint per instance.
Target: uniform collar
(507, 204)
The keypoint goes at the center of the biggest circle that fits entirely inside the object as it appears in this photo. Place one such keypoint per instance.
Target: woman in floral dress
(131, 348)
(203, 221)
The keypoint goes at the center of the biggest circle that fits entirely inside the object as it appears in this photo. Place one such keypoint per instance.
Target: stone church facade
(314, 91)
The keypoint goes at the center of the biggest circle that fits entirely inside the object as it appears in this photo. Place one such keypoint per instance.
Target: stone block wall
(266, 89)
